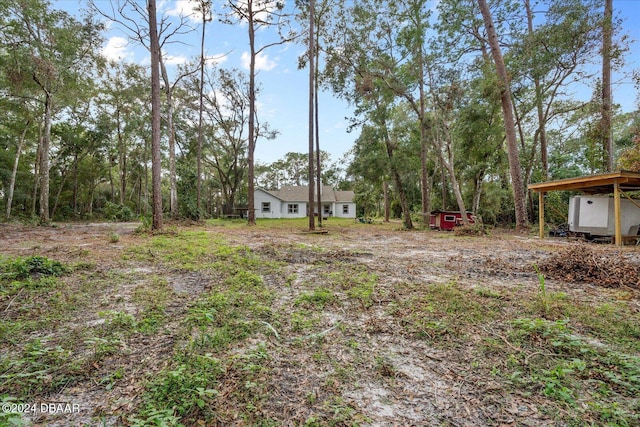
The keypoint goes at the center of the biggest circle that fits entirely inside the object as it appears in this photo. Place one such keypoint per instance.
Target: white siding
(278, 208)
(260, 197)
(339, 209)
(302, 210)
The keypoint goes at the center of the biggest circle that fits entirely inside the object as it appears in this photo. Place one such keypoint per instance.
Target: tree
(311, 124)
(392, 38)
(156, 157)
(550, 56)
(131, 18)
(607, 45)
(356, 73)
(204, 7)
(259, 15)
(522, 223)
(123, 116)
(14, 172)
(292, 170)
(55, 52)
(226, 106)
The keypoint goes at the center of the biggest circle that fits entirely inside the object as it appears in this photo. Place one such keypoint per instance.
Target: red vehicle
(448, 220)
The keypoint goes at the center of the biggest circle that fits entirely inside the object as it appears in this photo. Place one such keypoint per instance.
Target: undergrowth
(227, 343)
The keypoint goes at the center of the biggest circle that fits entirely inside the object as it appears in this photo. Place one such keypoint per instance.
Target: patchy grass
(358, 327)
(444, 313)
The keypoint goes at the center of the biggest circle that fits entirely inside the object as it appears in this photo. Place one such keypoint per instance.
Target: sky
(283, 101)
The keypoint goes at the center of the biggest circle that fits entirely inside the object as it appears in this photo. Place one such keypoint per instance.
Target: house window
(327, 209)
(292, 208)
(345, 209)
(450, 218)
(266, 207)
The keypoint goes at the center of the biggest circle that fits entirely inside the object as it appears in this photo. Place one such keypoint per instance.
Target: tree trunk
(200, 116)
(607, 137)
(316, 80)
(156, 158)
(122, 158)
(424, 181)
(477, 192)
(456, 192)
(387, 204)
(36, 174)
(448, 163)
(75, 184)
(173, 181)
(146, 176)
(111, 183)
(404, 201)
(63, 179)
(312, 225)
(251, 214)
(522, 223)
(44, 161)
(14, 172)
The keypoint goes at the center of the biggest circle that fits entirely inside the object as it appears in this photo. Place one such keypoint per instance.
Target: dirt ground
(387, 377)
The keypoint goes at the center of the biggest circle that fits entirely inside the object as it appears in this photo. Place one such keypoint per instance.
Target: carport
(617, 183)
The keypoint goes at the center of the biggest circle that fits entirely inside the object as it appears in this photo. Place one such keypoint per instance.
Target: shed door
(594, 212)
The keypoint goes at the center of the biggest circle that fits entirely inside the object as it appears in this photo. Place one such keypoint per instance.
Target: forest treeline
(453, 105)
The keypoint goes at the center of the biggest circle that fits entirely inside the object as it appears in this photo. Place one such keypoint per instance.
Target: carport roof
(594, 184)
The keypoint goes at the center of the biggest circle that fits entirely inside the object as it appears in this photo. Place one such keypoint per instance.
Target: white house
(292, 202)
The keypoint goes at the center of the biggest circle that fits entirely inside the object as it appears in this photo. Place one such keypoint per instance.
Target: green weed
(443, 313)
(548, 304)
(33, 266)
(38, 369)
(616, 323)
(304, 320)
(8, 418)
(356, 281)
(186, 388)
(557, 363)
(319, 298)
(103, 347)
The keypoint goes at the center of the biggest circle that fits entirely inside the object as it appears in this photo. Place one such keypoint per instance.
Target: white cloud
(185, 8)
(174, 60)
(262, 62)
(117, 49)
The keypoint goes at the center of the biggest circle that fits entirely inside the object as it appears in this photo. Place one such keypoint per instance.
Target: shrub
(23, 268)
(116, 212)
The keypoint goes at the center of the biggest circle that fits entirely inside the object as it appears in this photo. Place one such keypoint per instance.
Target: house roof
(344, 196)
(293, 193)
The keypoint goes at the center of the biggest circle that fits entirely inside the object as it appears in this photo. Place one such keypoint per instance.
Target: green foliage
(358, 283)
(114, 237)
(33, 266)
(38, 369)
(8, 418)
(304, 320)
(116, 212)
(617, 324)
(562, 366)
(187, 189)
(319, 298)
(182, 390)
(34, 272)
